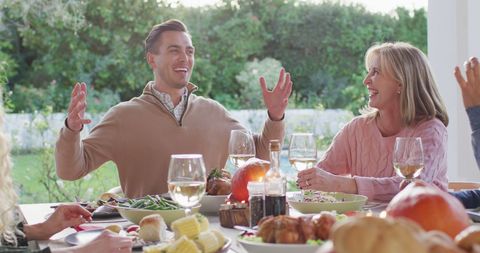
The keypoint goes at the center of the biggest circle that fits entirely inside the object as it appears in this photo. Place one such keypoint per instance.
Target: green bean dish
(151, 202)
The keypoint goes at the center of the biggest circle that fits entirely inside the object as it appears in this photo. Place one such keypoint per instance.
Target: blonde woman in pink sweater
(403, 101)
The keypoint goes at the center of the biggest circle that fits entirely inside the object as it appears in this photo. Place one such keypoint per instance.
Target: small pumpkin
(253, 170)
(429, 207)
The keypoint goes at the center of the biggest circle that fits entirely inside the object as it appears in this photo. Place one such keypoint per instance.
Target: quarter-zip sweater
(360, 150)
(140, 135)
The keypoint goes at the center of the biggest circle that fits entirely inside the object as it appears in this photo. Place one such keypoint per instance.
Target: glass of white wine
(408, 157)
(241, 147)
(302, 152)
(186, 180)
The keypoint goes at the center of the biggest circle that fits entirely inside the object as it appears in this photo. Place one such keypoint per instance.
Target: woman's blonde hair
(8, 197)
(408, 65)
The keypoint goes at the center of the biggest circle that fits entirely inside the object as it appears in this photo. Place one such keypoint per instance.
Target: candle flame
(228, 202)
(243, 202)
(369, 213)
(383, 214)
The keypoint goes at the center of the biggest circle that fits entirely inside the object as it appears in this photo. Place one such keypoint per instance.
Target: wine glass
(241, 147)
(408, 157)
(302, 152)
(186, 180)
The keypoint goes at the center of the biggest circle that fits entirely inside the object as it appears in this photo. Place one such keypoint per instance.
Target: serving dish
(344, 202)
(211, 203)
(260, 247)
(136, 214)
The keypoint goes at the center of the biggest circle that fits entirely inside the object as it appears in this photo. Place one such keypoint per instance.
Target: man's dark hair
(151, 42)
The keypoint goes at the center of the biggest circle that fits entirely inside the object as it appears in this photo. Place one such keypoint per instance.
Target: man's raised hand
(77, 107)
(276, 100)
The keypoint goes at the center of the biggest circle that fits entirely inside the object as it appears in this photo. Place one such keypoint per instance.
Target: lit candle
(369, 213)
(226, 206)
(241, 204)
(383, 214)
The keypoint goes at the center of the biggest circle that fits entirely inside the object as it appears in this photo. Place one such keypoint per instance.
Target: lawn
(36, 182)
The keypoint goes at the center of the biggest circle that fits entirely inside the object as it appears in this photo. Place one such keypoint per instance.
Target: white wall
(453, 36)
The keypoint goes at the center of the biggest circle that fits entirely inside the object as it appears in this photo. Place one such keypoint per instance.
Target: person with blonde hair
(403, 102)
(14, 235)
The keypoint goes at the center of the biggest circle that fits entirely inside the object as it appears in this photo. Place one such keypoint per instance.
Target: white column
(453, 36)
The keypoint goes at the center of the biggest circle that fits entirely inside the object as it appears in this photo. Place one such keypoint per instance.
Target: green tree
(248, 79)
(101, 43)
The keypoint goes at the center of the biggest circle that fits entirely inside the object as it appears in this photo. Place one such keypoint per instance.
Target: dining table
(36, 213)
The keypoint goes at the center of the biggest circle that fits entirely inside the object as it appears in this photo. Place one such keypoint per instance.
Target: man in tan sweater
(168, 118)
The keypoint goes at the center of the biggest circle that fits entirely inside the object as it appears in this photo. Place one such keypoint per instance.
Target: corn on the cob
(221, 239)
(187, 226)
(203, 221)
(161, 248)
(183, 245)
(207, 242)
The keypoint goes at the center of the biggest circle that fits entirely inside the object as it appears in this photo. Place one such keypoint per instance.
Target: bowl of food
(135, 209)
(211, 203)
(316, 201)
(218, 188)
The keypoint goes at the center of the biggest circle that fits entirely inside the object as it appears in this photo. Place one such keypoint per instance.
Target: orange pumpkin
(253, 170)
(430, 207)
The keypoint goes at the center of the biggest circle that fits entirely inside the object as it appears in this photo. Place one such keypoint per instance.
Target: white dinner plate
(83, 237)
(260, 247)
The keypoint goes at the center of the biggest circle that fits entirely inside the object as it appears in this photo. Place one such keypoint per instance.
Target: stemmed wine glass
(408, 157)
(186, 180)
(302, 152)
(241, 147)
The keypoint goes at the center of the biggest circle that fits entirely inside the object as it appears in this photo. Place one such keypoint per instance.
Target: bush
(101, 42)
(248, 79)
(32, 99)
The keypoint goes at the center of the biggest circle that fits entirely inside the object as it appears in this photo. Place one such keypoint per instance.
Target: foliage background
(50, 45)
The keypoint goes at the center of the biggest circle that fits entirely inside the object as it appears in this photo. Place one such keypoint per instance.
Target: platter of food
(286, 234)
(193, 234)
(135, 209)
(316, 201)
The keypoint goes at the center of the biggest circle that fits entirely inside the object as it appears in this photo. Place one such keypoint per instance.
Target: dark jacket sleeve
(474, 117)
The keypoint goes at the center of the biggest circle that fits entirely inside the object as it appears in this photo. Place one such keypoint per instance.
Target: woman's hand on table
(319, 179)
(106, 242)
(63, 217)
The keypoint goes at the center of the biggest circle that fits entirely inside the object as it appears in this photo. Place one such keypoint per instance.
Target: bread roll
(107, 196)
(377, 235)
(153, 228)
(114, 228)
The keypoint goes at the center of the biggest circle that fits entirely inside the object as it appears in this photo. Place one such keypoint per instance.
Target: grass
(30, 172)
